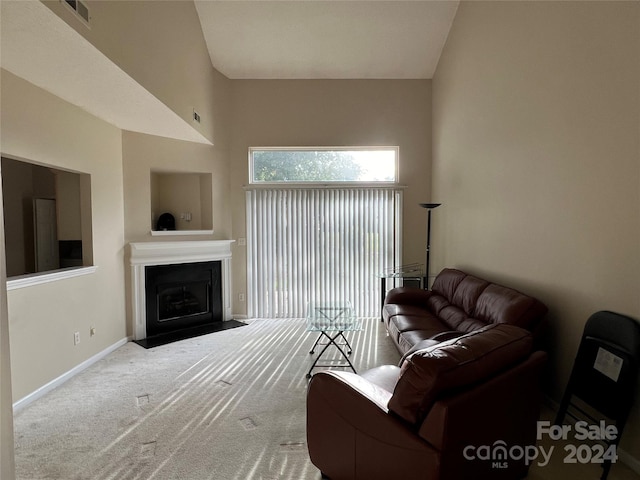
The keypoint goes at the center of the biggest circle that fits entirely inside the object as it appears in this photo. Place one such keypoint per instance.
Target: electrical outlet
(76, 338)
(241, 297)
(92, 331)
(242, 242)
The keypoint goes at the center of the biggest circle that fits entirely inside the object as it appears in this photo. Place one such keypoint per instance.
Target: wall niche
(186, 196)
(47, 218)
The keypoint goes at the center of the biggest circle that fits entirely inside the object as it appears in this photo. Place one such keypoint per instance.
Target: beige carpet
(225, 406)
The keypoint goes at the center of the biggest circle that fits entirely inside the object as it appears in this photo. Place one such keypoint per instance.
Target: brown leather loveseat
(461, 409)
(457, 303)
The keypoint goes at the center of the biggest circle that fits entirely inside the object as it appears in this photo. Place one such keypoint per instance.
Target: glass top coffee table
(331, 320)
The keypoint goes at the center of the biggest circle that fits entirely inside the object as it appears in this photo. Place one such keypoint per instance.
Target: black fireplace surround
(182, 296)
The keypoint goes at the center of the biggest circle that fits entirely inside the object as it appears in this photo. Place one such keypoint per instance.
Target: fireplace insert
(180, 296)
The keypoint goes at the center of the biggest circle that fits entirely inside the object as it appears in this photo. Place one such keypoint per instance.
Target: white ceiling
(322, 39)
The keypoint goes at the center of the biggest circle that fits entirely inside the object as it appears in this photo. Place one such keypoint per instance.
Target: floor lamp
(429, 207)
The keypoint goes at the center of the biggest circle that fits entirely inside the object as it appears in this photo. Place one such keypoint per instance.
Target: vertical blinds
(319, 245)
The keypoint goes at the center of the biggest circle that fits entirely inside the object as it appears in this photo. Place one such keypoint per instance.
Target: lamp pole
(429, 207)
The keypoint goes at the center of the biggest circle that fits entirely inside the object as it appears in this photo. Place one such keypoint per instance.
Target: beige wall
(333, 113)
(144, 154)
(42, 319)
(7, 463)
(536, 159)
(161, 46)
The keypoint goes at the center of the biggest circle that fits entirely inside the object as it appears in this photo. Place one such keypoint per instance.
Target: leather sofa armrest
(509, 402)
(501, 411)
(352, 387)
(354, 401)
(351, 434)
(422, 344)
(407, 296)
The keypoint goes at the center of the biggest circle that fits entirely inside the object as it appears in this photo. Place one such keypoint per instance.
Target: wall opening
(47, 218)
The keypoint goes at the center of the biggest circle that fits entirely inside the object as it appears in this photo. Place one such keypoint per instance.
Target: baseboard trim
(626, 458)
(56, 382)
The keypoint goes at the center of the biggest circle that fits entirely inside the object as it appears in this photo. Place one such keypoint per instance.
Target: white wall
(536, 158)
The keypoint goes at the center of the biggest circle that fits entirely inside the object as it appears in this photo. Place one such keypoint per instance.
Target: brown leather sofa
(457, 303)
(428, 419)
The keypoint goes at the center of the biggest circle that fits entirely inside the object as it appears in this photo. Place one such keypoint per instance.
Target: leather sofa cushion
(447, 282)
(455, 297)
(466, 303)
(428, 323)
(498, 304)
(428, 374)
(407, 340)
(395, 309)
(467, 293)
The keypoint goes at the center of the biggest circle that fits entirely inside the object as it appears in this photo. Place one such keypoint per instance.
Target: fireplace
(180, 296)
(178, 301)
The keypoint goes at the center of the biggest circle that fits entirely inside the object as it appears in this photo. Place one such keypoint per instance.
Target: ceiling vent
(81, 10)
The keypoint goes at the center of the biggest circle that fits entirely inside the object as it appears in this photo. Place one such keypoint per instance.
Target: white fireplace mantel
(143, 254)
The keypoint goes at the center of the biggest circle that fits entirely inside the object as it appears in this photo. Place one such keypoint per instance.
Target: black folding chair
(604, 373)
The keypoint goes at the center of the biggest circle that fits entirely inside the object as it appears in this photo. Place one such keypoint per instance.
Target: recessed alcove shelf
(186, 196)
(177, 233)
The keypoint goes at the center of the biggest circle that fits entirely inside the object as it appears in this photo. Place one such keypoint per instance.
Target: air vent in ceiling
(80, 8)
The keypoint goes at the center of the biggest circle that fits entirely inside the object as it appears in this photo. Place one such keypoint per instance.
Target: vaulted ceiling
(298, 39)
(318, 39)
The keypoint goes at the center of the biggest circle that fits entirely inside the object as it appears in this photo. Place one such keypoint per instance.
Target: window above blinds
(314, 165)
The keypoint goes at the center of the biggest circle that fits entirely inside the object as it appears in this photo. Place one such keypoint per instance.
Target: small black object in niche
(166, 222)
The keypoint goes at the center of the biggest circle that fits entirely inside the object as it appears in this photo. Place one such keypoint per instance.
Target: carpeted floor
(224, 406)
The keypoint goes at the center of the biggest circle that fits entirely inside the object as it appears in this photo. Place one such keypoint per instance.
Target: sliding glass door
(319, 244)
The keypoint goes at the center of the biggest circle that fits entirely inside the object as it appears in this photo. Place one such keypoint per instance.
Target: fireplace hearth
(180, 296)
